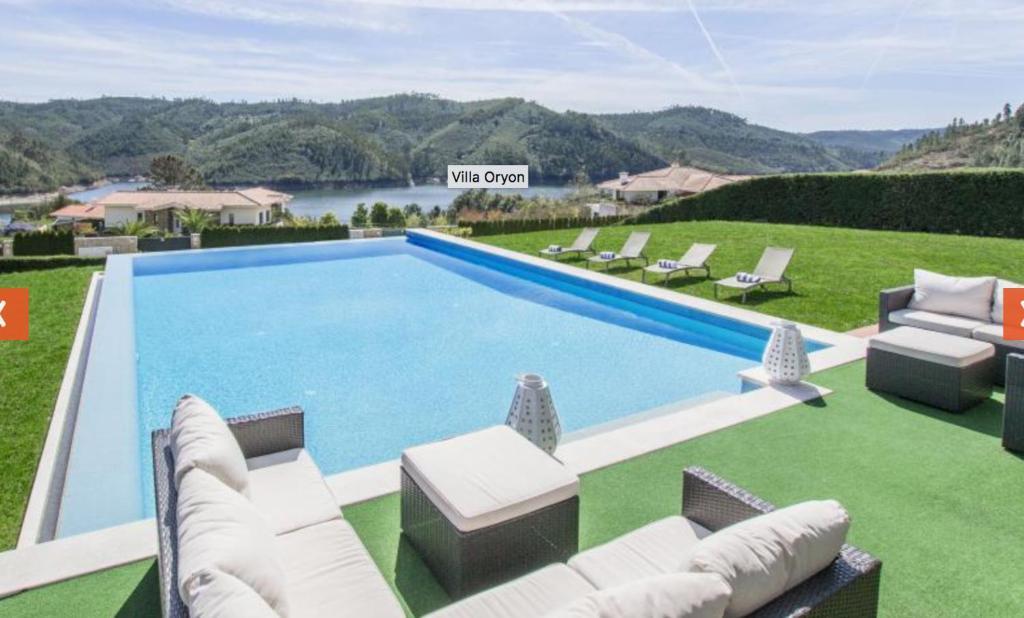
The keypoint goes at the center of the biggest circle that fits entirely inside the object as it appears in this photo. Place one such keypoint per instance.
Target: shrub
(379, 214)
(396, 218)
(234, 236)
(516, 226)
(21, 264)
(360, 217)
(44, 243)
(329, 219)
(978, 203)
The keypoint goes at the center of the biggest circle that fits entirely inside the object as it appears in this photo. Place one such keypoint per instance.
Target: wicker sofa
(846, 588)
(894, 311)
(327, 569)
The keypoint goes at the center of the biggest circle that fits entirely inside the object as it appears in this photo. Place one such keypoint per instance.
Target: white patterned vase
(533, 412)
(785, 357)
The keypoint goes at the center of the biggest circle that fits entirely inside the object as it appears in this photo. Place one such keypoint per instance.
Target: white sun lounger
(633, 249)
(584, 243)
(770, 269)
(695, 258)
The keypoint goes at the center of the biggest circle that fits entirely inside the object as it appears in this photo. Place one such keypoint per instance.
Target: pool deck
(36, 563)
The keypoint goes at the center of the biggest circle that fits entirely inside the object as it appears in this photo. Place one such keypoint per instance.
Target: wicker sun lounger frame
(258, 434)
(895, 299)
(848, 588)
(468, 562)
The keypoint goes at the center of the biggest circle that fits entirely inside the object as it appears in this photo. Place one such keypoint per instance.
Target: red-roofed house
(656, 185)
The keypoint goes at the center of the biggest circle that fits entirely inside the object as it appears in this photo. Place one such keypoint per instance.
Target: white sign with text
(488, 176)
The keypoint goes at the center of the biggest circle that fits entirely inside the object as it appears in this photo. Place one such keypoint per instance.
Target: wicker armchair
(259, 434)
(848, 588)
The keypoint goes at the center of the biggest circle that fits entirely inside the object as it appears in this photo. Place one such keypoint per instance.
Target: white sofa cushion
(993, 333)
(931, 346)
(330, 573)
(531, 595)
(201, 439)
(997, 299)
(289, 491)
(938, 322)
(488, 477)
(654, 549)
(970, 297)
(215, 594)
(219, 528)
(765, 556)
(673, 595)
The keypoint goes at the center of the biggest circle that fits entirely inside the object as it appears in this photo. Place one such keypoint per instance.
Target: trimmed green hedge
(517, 226)
(21, 264)
(234, 236)
(44, 243)
(977, 203)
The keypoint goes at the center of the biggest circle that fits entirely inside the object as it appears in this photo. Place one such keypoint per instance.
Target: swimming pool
(384, 343)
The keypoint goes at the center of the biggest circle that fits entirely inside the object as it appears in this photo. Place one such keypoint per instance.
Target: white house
(603, 209)
(656, 185)
(253, 206)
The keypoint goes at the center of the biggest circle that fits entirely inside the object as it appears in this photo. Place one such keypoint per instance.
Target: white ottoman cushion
(536, 594)
(488, 477)
(289, 491)
(970, 297)
(201, 439)
(215, 594)
(219, 528)
(654, 549)
(931, 346)
(674, 595)
(765, 556)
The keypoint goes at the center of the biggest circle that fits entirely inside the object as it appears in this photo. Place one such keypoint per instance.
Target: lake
(343, 202)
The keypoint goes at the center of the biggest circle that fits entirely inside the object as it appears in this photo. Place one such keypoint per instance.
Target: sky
(800, 66)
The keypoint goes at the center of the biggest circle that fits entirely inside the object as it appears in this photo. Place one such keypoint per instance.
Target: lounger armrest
(891, 300)
(269, 432)
(257, 434)
(715, 503)
(847, 588)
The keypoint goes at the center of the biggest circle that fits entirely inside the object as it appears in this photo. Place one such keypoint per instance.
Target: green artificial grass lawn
(30, 375)
(836, 272)
(932, 494)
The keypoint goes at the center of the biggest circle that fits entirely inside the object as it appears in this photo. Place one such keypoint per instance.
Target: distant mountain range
(987, 143)
(392, 139)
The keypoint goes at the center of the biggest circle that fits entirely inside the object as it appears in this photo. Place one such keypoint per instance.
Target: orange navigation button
(1013, 313)
(13, 314)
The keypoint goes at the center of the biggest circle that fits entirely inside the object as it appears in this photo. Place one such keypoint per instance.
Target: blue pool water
(387, 344)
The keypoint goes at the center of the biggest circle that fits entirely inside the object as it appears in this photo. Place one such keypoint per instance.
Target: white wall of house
(239, 216)
(633, 197)
(114, 216)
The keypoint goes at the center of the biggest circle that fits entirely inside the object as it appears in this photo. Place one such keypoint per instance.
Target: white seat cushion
(488, 477)
(215, 594)
(931, 346)
(938, 322)
(201, 439)
(330, 573)
(654, 549)
(289, 491)
(993, 333)
(218, 528)
(969, 297)
(535, 594)
(674, 595)
(997, 299)
(763, 557)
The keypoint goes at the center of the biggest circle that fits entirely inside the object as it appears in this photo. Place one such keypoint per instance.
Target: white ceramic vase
(533, 412)
(785, 357)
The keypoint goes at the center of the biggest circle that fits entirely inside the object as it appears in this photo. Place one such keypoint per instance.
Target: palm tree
(195, 220)
(140, 229)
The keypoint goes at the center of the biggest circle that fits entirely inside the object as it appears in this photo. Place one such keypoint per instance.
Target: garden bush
(21, 264)
(234, 236)
(44, 243)
(976, 203)
(516, 226)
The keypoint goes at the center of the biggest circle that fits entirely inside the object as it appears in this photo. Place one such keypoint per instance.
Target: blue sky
(807, 65)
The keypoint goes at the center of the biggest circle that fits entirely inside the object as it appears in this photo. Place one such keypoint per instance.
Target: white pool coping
(35, 564)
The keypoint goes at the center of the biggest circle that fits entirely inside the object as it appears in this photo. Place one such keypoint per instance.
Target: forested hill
(379, 140)
(998, 142)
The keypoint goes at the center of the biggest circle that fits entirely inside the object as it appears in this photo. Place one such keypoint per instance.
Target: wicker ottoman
(486, 507)
(945, 371)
